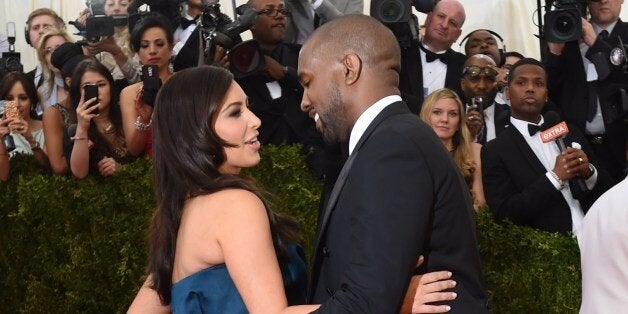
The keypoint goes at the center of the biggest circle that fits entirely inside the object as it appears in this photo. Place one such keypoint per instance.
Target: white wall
(514, 20)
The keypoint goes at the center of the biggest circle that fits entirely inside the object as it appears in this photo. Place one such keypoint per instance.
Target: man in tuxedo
(398, 195)
(486, 118)
(524, 178)
(431, 64)
(274, 91)
(186, 40)
(587, 87)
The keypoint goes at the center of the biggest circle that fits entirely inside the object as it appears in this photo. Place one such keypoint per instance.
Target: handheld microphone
(554, 129)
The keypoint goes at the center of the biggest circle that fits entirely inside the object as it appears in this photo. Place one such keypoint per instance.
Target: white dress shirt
(489, 122)
(603, 242)
(181, 35)
(367, 117)
(546, 153)
(434, 73)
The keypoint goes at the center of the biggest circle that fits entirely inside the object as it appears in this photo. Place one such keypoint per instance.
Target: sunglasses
(273, 12)
(473, 72)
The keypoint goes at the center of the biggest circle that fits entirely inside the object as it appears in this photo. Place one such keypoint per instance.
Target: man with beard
(485, 117)
(274, 92)
(399, 194)
(524, 178)
(431, 64)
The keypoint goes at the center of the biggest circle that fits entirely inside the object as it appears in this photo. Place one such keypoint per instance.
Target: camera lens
(564, 24)
(392, 11)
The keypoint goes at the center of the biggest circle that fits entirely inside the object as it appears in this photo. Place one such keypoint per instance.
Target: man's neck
(194, 11)
(433, 47)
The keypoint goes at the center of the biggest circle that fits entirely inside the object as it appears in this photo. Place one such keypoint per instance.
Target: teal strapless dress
(211, 290)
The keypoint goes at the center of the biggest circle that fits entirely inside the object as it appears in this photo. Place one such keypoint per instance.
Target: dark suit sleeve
(507, 200)
(391, 194)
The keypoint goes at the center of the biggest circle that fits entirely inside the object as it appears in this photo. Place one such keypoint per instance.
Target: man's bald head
(479, 60)
(362, 35)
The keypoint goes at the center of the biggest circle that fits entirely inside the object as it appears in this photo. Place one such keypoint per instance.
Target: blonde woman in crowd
(52, 90)
(444, 112)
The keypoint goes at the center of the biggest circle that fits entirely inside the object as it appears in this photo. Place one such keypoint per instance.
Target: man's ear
(352, 66)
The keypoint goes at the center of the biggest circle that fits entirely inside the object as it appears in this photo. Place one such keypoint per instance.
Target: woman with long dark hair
(99, 145)
(212, 228)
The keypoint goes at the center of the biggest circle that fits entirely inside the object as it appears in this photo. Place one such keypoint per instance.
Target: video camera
(397, 16)
(564, 22)
(97, 24)
(10, 60)
(217, 28)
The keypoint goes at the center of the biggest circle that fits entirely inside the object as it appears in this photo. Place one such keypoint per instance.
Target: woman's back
(224, 254)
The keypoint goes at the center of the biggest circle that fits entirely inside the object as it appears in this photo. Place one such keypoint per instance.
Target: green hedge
(69, 246)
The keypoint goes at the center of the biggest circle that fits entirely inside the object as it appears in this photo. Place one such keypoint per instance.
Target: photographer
(585, 85)
(152, 40)
(274, 91)
(114, 52)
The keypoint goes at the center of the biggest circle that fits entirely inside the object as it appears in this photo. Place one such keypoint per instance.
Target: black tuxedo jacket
(501, 120)
(188, 55)
(399, 195)
(567, 85)
(517, 188)
(411, 76)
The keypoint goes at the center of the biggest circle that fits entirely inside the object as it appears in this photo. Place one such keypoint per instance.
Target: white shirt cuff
(551, 178)
(316, 4)
(592, 180)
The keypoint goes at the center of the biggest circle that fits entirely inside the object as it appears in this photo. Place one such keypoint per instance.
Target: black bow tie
(533, 128)
(431, 56)
(185, 22)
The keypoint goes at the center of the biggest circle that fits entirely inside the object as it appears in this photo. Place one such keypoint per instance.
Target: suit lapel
(525, 150)
(394, 108)
(501, 117)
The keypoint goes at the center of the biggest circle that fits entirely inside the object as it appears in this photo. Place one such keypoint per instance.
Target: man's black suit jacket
(398, 196)
(516, 187)
(411, 76)
(567, 84)
(501, 120)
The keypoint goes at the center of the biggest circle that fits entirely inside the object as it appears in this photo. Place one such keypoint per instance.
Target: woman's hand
(108, 166)
(144, 111)
(105, 44)
(84, 112)
(20, 126)
(4, 127)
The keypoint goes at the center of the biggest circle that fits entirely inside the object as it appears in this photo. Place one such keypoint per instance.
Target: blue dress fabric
(212, 290)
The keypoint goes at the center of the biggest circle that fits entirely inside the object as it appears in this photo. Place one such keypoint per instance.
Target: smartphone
(91, 91)
(152, 83)
(10, 110)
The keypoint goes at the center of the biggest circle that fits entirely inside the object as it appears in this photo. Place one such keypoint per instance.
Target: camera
(246, 58)
(397, 16)
(564, 23)
(218, 29)
(10, 60)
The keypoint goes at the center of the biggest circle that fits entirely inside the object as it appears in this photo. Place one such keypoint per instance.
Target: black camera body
(397, 16)
(217, 28)
(10, 62)
(564, 23)
(97, 27)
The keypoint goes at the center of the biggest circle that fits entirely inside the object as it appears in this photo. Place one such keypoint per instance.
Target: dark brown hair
(187, 154)
(27, 83)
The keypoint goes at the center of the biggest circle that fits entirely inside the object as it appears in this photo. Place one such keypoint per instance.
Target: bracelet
(35, 147)
(557, 178)
(74, 138)
(141, 126)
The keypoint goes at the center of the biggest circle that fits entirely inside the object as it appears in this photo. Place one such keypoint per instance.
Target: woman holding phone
(152, 39)
(98, 143)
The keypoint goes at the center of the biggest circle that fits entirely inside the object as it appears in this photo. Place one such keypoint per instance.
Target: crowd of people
(409, 140)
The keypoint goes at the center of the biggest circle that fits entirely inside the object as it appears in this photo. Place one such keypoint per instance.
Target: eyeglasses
(50, 50)
(474, 72)
(273, 12)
